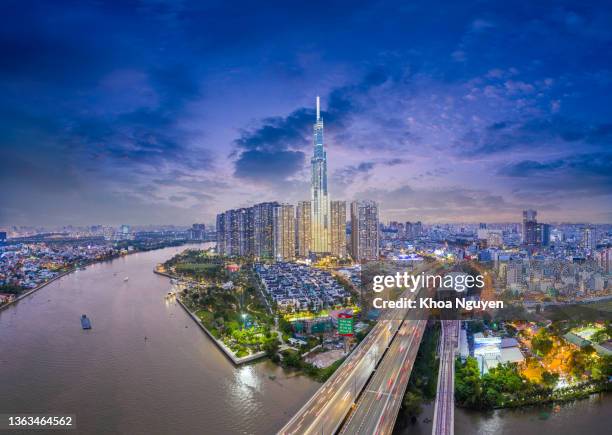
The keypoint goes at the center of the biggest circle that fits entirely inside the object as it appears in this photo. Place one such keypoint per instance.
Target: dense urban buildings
(295, 287)
(413, 229)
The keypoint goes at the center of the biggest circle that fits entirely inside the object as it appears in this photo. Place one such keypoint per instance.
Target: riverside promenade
(226, 350)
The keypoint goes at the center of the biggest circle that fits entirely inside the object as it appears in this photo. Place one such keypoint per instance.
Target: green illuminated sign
(345, 325)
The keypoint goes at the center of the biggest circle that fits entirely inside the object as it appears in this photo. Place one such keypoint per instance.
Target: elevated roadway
(444, 411)
(380, 401)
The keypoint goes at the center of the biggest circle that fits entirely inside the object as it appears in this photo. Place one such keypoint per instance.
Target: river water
(115, 381)
(584, 417)
(177, 381)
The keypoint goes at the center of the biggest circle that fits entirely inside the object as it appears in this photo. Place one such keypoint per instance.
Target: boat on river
(85, 322)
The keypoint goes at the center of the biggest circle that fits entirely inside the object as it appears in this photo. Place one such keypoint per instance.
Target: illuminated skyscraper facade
(530, 224)
(284, 232)
(338, 228)
(364, 230)
(304, 228)
(320, 222)
(263, 225)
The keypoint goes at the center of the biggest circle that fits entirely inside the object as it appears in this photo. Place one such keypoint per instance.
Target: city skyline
(465, 113)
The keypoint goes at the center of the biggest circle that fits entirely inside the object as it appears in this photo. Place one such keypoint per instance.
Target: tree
(468, 389)
(550, 379)
(10, 288)
(270, 346)
(541, 343)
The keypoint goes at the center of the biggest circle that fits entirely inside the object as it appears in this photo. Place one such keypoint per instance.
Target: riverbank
(588, 416)
(226, 350)
(567, 394)
(35, 289)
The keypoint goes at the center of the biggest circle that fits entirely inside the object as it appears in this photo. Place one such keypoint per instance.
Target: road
(444, 412)
(379, 404)
(326, 410)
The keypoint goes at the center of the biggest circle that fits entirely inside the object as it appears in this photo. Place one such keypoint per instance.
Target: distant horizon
(212, 224)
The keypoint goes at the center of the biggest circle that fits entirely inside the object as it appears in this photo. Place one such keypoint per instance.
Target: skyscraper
(284, 232)
(543, 234)
(304, 228)
(220, 228)
(233, 232)
(263, 222)
(364, 230)
(530, 236)
(589, 238)
(320, 221)
(196, 232)
(246, 231)
(338, 228)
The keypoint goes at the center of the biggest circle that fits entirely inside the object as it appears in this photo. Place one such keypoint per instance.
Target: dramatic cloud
(168, 112)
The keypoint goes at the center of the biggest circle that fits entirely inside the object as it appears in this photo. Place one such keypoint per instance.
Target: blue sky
(169, 112)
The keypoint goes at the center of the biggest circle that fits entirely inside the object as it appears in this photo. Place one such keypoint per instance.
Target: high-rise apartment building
(364, 230)
(543, 234)
(320, 222)
(304, 228)
(263, 222)
(284, 232)
(338, 228)
(220, 229)
(604, 260)
(514, 274)
(233, 232)
(589, 238)
(530, 236)
(413, 230)
(247, 231)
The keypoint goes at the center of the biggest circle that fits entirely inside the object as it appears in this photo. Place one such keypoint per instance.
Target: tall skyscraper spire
(320, 222)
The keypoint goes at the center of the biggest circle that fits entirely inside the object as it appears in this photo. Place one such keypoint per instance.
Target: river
(587, 416)
(115, 381)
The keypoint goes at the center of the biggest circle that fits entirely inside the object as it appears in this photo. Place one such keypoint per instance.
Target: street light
(244, 316)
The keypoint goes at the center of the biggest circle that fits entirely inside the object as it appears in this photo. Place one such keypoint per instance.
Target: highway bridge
(381, 399)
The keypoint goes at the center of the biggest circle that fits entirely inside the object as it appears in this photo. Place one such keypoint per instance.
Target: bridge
(380, 401)
(444, 411)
